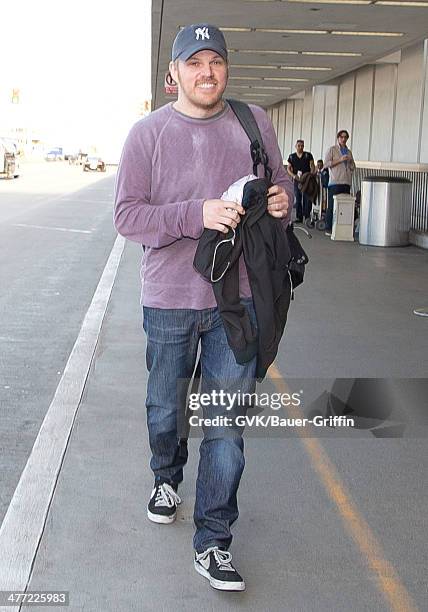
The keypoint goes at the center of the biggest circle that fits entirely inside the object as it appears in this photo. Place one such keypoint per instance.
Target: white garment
(235, 191)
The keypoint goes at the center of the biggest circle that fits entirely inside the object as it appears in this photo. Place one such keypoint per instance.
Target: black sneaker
(215, 564)
(163, 503)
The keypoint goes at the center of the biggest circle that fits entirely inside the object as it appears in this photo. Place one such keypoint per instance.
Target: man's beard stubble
(201, 103)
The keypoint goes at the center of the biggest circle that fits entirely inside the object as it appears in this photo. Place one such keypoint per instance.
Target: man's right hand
(217, 216)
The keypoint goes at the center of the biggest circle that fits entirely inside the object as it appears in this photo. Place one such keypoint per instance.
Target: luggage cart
(317, 218)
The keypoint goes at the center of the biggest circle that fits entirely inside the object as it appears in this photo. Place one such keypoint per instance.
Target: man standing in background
(298, 164)
(340, 162)
(323, 176)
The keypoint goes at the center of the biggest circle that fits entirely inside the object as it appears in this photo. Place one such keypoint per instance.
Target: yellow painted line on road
(387, 579)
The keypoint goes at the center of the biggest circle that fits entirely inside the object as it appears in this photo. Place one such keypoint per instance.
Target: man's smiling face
(201, 80)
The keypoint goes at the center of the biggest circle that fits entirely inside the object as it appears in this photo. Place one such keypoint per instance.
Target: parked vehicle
(9, 165)
(82, 157)
(94, 163)
(54, 154)
(73, 159)
(69, 153)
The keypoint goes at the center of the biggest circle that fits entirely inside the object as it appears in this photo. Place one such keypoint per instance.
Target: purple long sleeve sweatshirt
(170, 164)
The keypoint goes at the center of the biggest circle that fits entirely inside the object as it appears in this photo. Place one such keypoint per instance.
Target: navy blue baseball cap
(198, 37)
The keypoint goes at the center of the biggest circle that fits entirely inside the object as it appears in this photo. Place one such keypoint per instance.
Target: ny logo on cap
(202, 33)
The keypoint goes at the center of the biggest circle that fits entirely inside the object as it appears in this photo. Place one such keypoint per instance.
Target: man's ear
(173, 70)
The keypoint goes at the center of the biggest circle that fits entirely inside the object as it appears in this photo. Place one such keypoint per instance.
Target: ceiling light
(246, 78)
(265, 51)
(348, 33)
(396, 3)
(332, 53)
(270, 67)
(319, 68)
(253, 78)
(280, 31)
(276, 52)
(259, 87)
(236, 29)
(291, 79)
(267, 67)
(270, 87)
(336, 32)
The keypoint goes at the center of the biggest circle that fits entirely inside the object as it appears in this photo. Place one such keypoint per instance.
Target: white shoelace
(222, 558)
(166, 496)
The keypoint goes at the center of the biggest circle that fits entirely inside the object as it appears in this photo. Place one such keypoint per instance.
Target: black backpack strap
(247, 120)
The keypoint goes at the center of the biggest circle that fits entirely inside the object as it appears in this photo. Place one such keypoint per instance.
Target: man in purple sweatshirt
(175, 165)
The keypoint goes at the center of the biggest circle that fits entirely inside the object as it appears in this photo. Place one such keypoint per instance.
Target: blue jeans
(173, 336)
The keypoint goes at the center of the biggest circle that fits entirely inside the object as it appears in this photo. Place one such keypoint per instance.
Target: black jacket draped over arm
(263, 241)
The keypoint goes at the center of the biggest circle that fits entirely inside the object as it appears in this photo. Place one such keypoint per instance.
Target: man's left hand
(277, 202)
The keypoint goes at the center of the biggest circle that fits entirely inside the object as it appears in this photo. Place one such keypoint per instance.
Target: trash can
(386, 205)
(343, 217)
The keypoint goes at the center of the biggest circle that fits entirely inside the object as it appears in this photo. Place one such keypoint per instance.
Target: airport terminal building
(321, 66)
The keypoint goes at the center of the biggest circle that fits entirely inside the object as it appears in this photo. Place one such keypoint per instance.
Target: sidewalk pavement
(290, 543)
